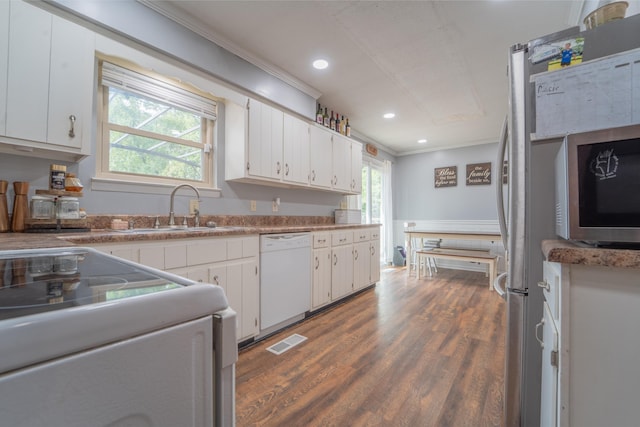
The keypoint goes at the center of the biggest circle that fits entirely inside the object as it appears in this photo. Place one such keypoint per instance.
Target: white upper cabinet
(71, 85)
(28, 74)
(264, 140)
(295, 150)
(265, 146)
(356, 168)
(320, 157)
(49, 92)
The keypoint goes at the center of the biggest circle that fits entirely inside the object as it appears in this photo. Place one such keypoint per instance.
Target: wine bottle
(337, 123)
(343, 126)
(325, 118)
(332, 122)
(347, 129)
(319, 117)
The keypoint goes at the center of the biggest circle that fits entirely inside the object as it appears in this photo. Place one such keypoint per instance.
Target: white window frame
(175, 93)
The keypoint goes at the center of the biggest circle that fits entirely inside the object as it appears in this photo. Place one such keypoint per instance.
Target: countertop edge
(11, 241)
(567, 252)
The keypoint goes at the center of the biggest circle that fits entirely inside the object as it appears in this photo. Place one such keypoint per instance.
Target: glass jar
(68, 208)
(72, 183)
(42, 207)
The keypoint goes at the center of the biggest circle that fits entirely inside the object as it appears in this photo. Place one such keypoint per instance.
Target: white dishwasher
(285, 279)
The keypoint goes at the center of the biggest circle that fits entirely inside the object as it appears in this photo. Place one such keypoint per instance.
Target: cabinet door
(356, 167)
(296, 150)
(549, 386)
(4, 63)
(320, 157)
(233, 289)
(341, 271)
(250, 299)
(374, 263)
(361, 265)
(70, 84)
(341, 164)
(321, 277)
(243, 292)
(265, 140)
(28, 73)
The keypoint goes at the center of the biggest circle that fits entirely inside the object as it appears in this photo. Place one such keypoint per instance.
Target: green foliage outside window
(148, 137)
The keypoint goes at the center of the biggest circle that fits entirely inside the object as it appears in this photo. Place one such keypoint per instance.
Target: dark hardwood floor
(407, 352)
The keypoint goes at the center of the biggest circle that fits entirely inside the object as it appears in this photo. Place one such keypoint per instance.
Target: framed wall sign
(445, 177)
(479, 174)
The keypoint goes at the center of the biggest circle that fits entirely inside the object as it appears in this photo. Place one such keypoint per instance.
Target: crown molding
(171, 12)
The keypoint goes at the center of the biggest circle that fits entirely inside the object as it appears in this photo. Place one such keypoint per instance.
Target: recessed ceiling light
(389, 116)
(320, 64)
(422, 141)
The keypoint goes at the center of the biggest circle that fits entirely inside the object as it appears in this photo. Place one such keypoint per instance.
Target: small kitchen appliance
(598, 186)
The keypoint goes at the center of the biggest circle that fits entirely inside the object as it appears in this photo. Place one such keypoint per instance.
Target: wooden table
(445, 235)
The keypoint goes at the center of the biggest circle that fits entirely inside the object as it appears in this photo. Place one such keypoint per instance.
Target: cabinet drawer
(374, 234)
(341, 238)
(152, 256)
(175, 256)
(250, 246)
(361, 235)
(234, 248)
(321, 240)
(206, 251)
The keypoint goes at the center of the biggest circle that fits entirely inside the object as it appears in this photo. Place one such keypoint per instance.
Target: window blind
(122, 78)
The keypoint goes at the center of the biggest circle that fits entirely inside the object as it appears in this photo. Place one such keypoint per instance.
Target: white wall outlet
(194, 205)
(253, 206)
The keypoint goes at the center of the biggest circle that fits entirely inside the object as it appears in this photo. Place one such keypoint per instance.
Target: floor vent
(286, 344)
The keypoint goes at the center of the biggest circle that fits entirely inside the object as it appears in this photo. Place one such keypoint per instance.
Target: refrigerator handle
(498, 288)
(502, 147)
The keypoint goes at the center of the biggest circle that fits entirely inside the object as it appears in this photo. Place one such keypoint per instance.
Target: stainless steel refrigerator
(532, 135)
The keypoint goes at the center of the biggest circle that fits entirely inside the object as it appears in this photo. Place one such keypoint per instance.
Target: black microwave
(598, 186)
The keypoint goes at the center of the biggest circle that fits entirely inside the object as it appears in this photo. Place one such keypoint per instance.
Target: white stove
(89, 339)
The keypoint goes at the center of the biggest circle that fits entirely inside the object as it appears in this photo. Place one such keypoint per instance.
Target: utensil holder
(20, 206)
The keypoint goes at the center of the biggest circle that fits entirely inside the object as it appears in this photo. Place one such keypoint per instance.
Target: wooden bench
(471, 255)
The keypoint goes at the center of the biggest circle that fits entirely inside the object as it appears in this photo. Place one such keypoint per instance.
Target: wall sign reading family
(479, 174)
(445, 177)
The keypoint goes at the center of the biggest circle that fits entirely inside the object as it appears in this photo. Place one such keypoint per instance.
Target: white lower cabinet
(321, 264)
(343, 263)
(230, 262)
(341, 271)
(590, 346)
(374, 254)
(361, 259)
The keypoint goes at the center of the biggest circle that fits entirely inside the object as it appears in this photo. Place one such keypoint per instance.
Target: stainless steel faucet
(172, 217)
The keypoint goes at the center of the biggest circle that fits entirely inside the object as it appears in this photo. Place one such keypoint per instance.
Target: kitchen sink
(178, 229)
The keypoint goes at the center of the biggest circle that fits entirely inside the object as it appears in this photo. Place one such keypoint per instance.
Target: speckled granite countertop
(9, 241)
(566, 252)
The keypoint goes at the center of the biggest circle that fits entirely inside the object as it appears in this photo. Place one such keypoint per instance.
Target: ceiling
(440, 66)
